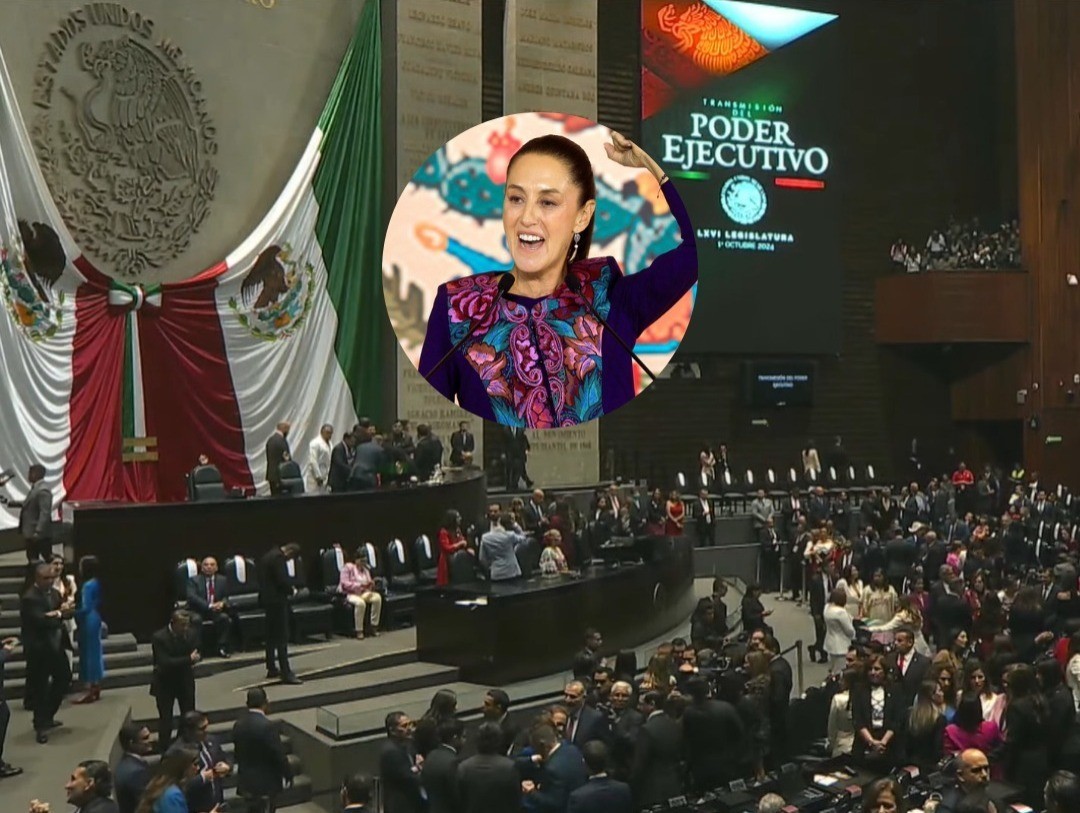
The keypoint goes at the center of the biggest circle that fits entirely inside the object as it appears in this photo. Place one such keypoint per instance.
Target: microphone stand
(506, 282)
(574, 284)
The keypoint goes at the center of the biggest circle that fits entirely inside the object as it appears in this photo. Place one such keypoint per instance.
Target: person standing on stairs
(48, 673)
(91, 651)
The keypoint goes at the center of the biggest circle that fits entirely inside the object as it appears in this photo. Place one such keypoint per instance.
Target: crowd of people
(961, 246)
(950, 618)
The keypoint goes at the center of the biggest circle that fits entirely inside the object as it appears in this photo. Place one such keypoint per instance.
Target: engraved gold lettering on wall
(565, 457)
(550, 56)
(124, 138)
(438, 77)
(438, 96)
(421, 403)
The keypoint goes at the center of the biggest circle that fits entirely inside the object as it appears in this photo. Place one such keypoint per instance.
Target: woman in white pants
(358, 585)
(839, 631)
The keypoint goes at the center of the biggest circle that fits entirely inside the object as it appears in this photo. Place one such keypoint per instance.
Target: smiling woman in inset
(537, 356)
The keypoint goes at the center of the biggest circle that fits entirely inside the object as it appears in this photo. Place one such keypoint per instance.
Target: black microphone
(506, 282)
(574, 284)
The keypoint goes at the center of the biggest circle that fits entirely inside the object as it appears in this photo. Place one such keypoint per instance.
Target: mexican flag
(118, 387)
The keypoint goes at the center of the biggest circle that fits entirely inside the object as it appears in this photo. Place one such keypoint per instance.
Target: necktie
(900, 663)
(210, 591)
(571, 728)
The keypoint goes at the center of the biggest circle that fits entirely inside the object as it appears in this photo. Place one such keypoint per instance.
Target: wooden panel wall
(952, 306)
(1047, 37)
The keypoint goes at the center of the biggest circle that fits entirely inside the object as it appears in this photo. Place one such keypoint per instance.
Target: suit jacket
(624, 737)
(591, 725)
(277, 449)
(40, 634)
(340, 465)
(129, 781)
(428, 455)
(261, 762)
(172, 660)
(202, 796)
(601, 795)
(439, 778)
(498, 553)
(488, 784)
(713, 739)
(197, 597)
(99, 805)
(461, 442)
(917, 670)
(861, 713)
(368, 462)
(275, 585)
(657, 771)
(517, 443)
(899, 558)
(771, 543)
(400, 784)
(35, 516)
(561, 774)
(780, 685)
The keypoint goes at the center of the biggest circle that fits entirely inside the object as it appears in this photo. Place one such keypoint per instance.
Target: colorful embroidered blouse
(544, 363)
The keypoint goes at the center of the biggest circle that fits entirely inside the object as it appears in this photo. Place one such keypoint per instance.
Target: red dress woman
(676, 515)
(451, 540)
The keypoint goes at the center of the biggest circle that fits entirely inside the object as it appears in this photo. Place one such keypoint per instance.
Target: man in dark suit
(438, 776)
(601, 794)
(205, 790)
(35, 516)
(7, 646)
(562, 772)
(713, 737)
(399, 776)
(89, 789)
(462, 442)
(208, 600)
(908, 666)
(277, 452)
(429, 452)
(936, 554)
(275, 590)
(496, 710)
(341, 460)
(48, 672)
(132, 771)
(489, 782)
(517, 456)
(356, 794)
(262, 765)
(173, 679)
(703, 519)
(535, 518)
(369, 462)
(586, 661)
(820, 586)
(771, 546)
(626, 723)
(657, 775)
(900, 556)
(780, 685)
(583, 724)
(973, 778)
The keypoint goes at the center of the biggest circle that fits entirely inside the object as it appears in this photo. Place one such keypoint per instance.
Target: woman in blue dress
(88, 618)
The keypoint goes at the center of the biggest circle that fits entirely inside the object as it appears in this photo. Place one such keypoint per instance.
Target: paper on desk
(472, 602)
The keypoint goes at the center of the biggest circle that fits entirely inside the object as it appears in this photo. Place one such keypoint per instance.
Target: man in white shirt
(317, 470)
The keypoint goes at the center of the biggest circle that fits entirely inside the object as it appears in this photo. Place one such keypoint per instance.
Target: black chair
(185, 571)
(205, 484)
(462, 568)
(292, 479)
(308, 614)
(401, 575)
(244, 599)
(427, 567)
(375, 561)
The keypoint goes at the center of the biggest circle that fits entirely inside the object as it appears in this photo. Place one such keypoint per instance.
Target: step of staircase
(298, 794)
(139, 657)
(120, 642)
(11, 583)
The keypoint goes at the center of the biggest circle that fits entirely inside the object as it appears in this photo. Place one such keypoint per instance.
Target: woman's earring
(573, 251)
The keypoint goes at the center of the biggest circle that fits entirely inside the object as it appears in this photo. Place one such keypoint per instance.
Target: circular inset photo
(539, 270)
